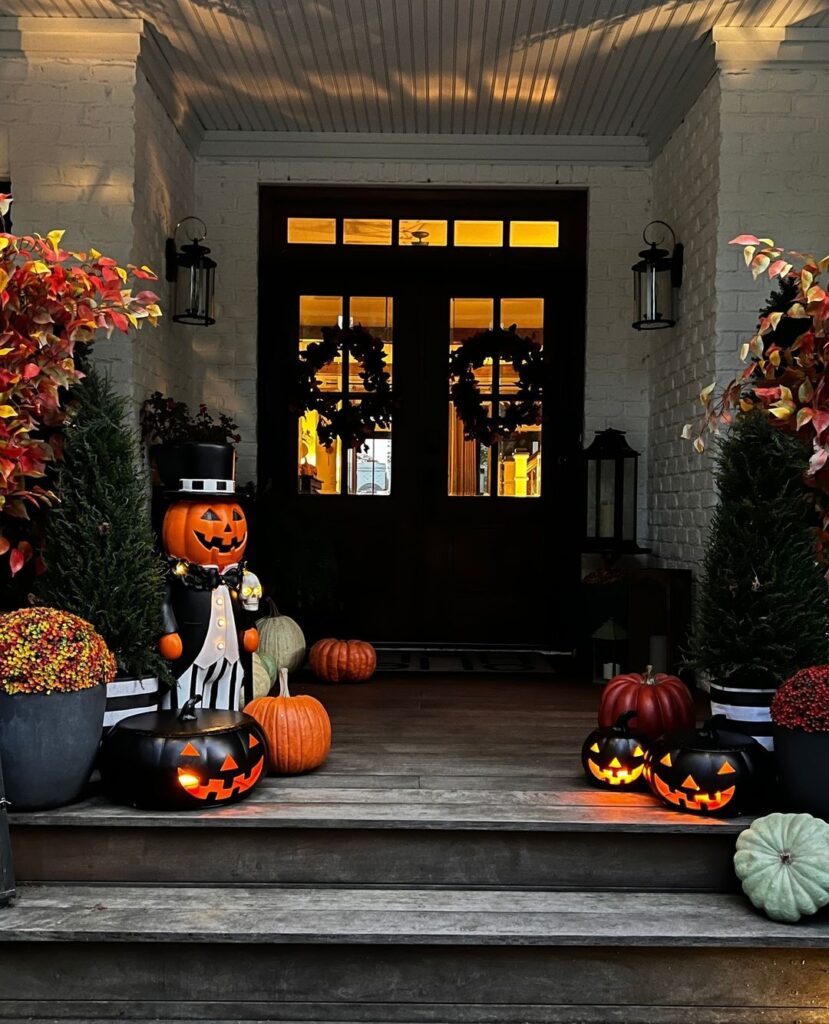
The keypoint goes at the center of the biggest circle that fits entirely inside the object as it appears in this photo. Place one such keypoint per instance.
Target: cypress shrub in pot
(763, 603)
(54, 668)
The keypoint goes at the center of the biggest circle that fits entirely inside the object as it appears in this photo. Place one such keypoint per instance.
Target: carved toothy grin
(615, 776)
(216, 542)
(701, 802)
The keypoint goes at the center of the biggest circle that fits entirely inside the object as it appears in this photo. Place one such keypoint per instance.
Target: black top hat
(193, 469)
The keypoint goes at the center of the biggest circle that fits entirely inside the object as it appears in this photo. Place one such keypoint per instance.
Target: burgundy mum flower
(802, 702)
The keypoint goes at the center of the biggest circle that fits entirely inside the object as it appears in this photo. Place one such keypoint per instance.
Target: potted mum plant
(800, 711)
(53, 671)
(51, 300)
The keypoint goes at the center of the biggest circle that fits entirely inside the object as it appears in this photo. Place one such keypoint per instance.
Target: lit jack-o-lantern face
(712, 771)
(219, 784)
(183, 759)
(614, 758)
(207, 533)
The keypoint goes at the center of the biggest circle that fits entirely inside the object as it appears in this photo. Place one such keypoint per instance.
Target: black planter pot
(49, 742)
(803, 767)
(191, 460)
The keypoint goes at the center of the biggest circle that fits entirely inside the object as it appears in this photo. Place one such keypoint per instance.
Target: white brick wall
(686, 184)
(164, 195)
(68, 136)
(619, 207)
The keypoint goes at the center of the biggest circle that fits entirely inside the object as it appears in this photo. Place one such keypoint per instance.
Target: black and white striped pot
(127, 697)
(749, 711)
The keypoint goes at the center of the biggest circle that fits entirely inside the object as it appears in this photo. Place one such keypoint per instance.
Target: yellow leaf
(774, 358)
(7, 411)
(39, 267)
(744, 352)
(705, 394)
(785, 394)
(745, 406)
(699, 445)
(55, 237)
(5, 351)
(121, 273)
(93, 254)
(686, 432)
(4, 243)
(767, 241)
(781, 412)
(806, 279)
(748, 253)
(4, 278)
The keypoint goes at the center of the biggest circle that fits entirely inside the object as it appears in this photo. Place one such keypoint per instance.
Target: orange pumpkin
(298, 729)
(205, 532)
(342, 661)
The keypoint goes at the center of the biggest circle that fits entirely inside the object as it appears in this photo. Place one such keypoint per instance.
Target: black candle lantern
(192, 273)
(612, 475)
(656, 281)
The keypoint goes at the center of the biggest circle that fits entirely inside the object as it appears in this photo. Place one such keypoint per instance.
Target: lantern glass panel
(653, 295)
(629, 508)
(607, 497)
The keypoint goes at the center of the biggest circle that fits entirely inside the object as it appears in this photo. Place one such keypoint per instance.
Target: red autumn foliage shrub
(51, 299)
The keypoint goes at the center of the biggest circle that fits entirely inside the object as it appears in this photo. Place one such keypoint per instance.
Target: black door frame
(281, 266)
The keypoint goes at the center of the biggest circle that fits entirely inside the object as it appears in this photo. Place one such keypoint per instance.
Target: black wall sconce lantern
(612, 480)
(192, 273)
(656, 281)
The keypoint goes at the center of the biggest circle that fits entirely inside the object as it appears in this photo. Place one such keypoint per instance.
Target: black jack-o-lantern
(183, 760)
(713, 770)
(614, 758)
(205, 532)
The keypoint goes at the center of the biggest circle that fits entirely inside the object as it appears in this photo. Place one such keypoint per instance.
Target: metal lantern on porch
(612, 478)
(656, 281)
(192, 273)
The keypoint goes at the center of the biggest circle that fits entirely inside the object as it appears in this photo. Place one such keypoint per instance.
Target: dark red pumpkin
(205, 532)
(662, 703)
(342, 661)
(183, 760)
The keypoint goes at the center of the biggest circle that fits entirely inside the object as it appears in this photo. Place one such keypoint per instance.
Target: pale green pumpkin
(783, 863)
(269, 665)
(262, 682)
(281, 639)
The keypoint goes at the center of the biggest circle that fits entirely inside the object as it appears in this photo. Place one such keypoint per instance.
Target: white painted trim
(424, 148)
(72, 37)
(740, 48)
(164, 83)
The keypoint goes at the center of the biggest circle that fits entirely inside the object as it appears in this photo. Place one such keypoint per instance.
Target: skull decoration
(713, 770)
(180, 760)
(614, 758)
(250, 591)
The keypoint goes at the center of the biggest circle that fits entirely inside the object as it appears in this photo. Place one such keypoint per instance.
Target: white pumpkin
(782, 861)
(282, 639)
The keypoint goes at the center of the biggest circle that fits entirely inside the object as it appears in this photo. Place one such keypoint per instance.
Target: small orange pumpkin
(298, 729)
(205, 532)
(342, 661)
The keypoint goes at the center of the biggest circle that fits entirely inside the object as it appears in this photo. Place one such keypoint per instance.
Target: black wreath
(352, 422)
(522, 409)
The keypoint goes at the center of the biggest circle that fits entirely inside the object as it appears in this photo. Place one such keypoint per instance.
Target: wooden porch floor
(436, 752)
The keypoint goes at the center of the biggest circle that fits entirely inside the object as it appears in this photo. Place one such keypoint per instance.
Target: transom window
(516, 234)
(330, 470)
(510, 468)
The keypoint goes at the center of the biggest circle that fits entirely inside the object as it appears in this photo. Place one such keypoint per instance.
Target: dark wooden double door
(419, 564)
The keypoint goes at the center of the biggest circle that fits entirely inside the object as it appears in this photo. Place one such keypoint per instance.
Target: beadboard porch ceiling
(542, 68)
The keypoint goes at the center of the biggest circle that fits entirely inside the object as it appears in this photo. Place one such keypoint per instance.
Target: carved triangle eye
(615, 763)
(690, 783)
(638, 752)
(595, 748)
(190, 751)
(666, 760)
(727, 769)
(253, 742)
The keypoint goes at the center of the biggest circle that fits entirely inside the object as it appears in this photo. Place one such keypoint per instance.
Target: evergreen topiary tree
(100, 556)
(763, 605)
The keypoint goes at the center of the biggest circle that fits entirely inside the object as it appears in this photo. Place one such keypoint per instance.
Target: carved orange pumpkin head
(206, 532)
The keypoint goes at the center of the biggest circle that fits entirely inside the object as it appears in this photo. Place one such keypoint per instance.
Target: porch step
(572, 838)
(180, 953)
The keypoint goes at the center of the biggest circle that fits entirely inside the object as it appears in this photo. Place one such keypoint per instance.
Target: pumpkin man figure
(211, 596)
